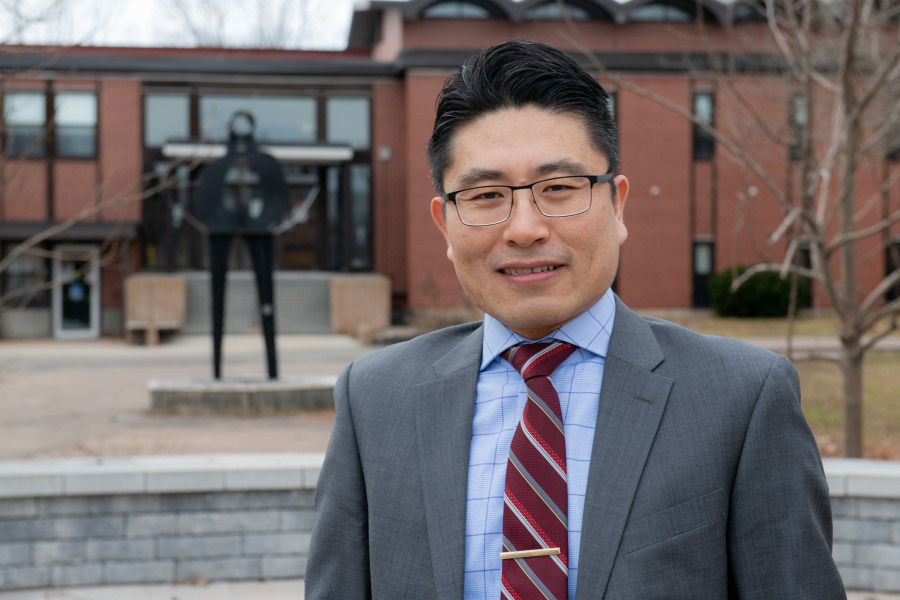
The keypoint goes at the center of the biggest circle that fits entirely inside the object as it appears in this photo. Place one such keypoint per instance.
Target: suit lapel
(632, 401)
(444, 410)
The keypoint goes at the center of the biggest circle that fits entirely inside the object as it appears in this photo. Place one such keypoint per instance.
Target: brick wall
(163, 519)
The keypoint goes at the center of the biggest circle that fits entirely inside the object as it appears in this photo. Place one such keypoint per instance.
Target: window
(704, 267)
(166, 117)
(24, 115)
(749, 12)
(348, 122)
(660, 12)
(75, 119)
(893, 152)
(704, 144)
(892, 137)
(891, 264)
(552, 11)
(456, 10)
(278, 119)
(798, 124)
(24, 282)
(360, 190)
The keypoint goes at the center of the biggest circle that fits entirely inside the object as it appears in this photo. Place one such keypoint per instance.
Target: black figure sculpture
(249, 213)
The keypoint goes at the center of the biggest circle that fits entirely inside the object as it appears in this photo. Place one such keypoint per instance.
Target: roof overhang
(297, 154)
(83, 231)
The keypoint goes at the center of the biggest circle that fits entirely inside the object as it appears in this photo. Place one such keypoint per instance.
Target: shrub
(763, 295)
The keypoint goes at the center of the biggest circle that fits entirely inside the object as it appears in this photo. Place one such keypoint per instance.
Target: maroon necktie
(535, 512)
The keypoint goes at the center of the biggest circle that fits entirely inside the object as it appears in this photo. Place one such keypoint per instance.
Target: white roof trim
(288, 154)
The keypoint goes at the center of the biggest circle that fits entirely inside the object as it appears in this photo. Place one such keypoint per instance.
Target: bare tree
(52, 21)
(836, 63)
(260, 24)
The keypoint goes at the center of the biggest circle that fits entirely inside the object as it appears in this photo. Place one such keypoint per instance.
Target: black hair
(516, 74)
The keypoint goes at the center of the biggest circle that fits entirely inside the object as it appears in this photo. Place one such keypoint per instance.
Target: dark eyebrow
(563, 165)
(477, 176)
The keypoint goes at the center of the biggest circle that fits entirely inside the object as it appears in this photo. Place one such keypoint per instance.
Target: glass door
(299, 238)
(76, 292)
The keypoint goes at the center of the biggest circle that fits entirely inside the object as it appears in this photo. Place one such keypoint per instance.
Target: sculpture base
(242, 396)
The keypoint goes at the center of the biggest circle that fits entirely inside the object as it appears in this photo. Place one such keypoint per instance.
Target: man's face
(504, 268)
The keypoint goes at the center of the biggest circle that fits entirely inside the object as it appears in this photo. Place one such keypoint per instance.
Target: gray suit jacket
(705, 481)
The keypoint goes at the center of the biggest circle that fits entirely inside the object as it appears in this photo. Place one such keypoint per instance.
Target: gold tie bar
(529, 553)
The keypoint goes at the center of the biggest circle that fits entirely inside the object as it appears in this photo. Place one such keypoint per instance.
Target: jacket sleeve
(779, 530)
(338, 564)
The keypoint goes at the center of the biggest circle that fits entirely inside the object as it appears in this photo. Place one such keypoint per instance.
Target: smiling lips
(529, 271)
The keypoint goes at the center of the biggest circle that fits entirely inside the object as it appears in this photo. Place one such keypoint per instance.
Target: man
(688, 469)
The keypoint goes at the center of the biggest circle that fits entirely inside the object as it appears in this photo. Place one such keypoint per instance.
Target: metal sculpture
(247, 211)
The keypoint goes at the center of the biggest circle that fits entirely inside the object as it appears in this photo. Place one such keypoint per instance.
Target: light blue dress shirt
(499, 401)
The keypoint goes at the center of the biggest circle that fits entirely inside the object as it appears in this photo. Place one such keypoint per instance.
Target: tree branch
(894, 326)
(771, 267)
(859, 234)
(880, 290)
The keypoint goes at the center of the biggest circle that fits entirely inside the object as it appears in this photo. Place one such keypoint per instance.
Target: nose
(526, 224)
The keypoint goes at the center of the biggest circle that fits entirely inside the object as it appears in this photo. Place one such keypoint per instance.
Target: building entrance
(327, 227)
(76, 292)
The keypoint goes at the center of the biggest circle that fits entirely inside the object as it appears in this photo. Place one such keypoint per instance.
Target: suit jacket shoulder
(406, 361)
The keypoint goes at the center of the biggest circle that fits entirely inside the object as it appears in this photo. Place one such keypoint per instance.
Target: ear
(438, 214)
(619, 207)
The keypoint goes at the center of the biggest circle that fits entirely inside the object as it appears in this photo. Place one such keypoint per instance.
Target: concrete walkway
(819, 345)
(90, 398)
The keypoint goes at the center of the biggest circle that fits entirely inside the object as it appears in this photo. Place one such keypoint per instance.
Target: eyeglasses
(554, 197)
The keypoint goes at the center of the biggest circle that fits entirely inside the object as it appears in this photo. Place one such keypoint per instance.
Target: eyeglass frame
(593, 179)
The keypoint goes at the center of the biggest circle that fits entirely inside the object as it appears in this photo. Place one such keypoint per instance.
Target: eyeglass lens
(558, 197)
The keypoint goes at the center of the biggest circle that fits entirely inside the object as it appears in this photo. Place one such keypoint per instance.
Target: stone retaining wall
(155, 519)
(162, 519)
(865, 502)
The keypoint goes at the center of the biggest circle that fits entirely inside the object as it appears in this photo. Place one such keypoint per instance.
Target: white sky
(157, 22)
(325, 24)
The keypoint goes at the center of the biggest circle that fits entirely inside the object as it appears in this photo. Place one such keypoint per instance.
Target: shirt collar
(590, 330)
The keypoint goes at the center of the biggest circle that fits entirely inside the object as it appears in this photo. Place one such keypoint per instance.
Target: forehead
(515, 144)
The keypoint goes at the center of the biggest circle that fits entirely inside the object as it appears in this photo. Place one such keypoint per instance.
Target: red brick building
(93, 125)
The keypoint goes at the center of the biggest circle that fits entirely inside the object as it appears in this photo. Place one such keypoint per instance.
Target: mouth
(528, 271)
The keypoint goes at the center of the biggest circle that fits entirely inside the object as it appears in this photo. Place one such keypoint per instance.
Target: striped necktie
(535, 521)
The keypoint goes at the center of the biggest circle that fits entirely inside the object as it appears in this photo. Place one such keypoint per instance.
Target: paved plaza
(90, 398)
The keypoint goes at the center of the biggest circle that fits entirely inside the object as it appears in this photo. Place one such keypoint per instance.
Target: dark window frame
(49, 146)
(41, 149)
(700, 296)
(57, 127)
(703, 144)
(795, 151)
(459, 5)
(891, 263)
(576, 12)
(40, 296)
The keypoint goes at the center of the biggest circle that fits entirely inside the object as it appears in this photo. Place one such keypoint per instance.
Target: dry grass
(821, 382)
(746, 328)
(822, 404)
(706, 322)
